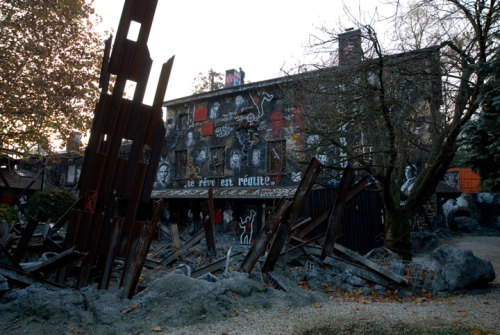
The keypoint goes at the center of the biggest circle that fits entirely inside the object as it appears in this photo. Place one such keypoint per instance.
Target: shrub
(8, 213)
(53, 203)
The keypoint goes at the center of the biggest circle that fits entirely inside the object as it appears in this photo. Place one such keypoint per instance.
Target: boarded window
(276, 156)
(217, 159)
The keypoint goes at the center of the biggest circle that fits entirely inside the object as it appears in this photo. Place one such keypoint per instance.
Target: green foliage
(482, 140)
(50, 60)
(53, 203)
(8, 213)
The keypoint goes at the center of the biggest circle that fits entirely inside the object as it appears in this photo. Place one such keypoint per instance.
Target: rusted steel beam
(336, 211)
(216, 266)
(113, 245)
(283, 232)
(357, 188)
(265, 236)
(316, 222)
(139, 252)
(207, 210)
(25, 239)
(63, 259)
(90, 259)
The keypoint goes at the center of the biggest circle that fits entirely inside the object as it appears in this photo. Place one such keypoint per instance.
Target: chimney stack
(350, 47)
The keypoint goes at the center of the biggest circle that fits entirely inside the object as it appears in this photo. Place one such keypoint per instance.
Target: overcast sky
(260, 36)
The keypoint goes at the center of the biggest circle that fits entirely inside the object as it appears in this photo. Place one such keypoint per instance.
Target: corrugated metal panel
(362, 220)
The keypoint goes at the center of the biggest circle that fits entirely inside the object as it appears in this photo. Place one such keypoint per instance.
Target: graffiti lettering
(223, 131)
(255, 181)
(227, 182)
(207, 182)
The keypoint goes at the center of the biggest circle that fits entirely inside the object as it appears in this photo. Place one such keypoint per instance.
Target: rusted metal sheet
(265, 236)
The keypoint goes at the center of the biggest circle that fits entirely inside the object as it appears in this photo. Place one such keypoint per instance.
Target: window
(180, 163)
(217, 160)
(183, 121)
(276, 156)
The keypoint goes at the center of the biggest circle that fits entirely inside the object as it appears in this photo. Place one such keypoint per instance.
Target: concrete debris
(457, 269)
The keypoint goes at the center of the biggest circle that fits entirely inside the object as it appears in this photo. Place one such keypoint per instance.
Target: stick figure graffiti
(247, 225)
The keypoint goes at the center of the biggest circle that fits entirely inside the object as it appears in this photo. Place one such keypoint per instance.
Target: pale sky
(259, 36)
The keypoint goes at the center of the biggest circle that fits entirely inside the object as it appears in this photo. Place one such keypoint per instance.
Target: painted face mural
(256, 158)
(189, 139)
(235, 160)
(214, 111)
(162, 175)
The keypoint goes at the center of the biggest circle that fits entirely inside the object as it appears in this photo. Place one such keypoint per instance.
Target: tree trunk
(397, 231)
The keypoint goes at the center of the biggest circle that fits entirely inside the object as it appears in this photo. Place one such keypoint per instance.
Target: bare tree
(390, 116)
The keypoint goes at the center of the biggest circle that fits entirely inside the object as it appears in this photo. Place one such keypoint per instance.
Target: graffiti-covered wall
(240, 140)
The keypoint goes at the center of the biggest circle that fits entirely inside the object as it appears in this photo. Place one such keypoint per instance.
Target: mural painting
(246, 224)
(243, 125)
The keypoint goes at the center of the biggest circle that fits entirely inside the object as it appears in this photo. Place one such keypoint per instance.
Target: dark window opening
(276, 156)
(217, 161)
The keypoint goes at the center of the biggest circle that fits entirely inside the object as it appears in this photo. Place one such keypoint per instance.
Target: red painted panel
(200, 114)
(208, 129)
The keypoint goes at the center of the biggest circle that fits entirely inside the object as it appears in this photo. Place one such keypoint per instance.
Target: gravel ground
(473, 312)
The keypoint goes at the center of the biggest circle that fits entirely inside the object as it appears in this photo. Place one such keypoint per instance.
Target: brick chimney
(233, 78)
(350, 47)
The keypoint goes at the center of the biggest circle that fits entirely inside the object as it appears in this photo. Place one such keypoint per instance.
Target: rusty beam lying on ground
(371, 265)
(216, 266)
(52, 264)
(175, 255)
(283, 232)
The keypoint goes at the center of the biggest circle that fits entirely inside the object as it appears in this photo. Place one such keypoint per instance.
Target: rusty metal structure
(115, 216)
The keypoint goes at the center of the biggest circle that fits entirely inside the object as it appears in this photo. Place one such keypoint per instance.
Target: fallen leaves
(130, 309)
(74, 330)
(157, 329)
(317, 305)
